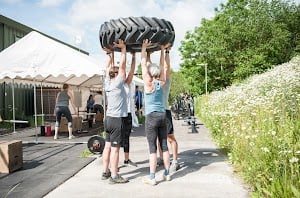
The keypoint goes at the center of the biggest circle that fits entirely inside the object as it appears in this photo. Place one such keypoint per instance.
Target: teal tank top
(154, 101)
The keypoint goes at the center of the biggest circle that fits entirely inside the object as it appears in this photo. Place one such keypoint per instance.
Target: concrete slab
(204, 172)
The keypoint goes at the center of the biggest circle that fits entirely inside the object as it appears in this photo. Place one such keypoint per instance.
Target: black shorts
(114, 130)
(170, 128)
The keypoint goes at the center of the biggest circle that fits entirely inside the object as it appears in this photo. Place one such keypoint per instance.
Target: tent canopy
(37, 57)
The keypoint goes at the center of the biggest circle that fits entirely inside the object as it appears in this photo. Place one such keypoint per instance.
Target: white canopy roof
(37, 57)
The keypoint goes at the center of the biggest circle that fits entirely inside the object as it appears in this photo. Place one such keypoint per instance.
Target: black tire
(96, 144)
(133, 30)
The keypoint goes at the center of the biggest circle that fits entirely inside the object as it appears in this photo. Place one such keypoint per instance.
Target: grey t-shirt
(116, 97)
(63, 99)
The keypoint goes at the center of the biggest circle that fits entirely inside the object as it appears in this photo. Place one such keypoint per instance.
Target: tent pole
(42, 104)
(35, 115)
(13, 106)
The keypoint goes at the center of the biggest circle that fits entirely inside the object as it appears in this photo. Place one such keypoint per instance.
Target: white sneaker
(147, 180)
(174, 167)
(55, 137)
(167, 177)
(71, 137)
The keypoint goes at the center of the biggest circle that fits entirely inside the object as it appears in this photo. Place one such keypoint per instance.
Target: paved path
(204, 172)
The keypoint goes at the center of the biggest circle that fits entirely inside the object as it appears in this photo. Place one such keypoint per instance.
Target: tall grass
(258, 121)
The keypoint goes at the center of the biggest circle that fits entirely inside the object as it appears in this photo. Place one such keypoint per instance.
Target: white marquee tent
(38, 59)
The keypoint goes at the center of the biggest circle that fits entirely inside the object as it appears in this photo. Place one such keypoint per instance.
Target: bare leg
(106, 156)
(174, 146)
(114, 160)
(153, 162)
(56, 132)
(166, 157)
(70, 132)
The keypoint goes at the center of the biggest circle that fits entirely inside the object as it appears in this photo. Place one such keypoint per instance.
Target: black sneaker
(106, 175)
(129, 163)
(118, 180)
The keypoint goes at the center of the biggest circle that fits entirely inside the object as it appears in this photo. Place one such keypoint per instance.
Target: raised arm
(122, 66)
(132, 68)
(161, 63)
(146, 76)
(109, 60)
(167, 63)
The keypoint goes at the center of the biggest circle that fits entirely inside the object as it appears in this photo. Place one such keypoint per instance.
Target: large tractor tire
(134, 30)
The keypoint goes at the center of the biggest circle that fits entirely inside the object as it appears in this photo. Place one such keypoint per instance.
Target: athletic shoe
(55, 137)
(174, 167)
(167, 177)
(106, 175)
(71, 137)
(118, 180)
(129, 163)
(147, 180)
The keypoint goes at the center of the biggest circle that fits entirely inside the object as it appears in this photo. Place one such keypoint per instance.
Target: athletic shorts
(113, 130)
(170, 128)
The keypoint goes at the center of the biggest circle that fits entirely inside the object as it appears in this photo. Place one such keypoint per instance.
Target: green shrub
(259, 123)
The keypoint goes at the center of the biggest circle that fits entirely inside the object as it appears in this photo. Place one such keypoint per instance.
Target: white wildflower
(294, 160)
(265, 149)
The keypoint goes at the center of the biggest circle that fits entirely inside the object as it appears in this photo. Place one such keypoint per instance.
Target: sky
(77, 22)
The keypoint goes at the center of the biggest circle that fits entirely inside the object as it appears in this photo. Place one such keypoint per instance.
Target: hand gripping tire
(133, 30)
(96, 144)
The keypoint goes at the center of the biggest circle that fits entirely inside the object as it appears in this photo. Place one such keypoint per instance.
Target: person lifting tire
(133, 30)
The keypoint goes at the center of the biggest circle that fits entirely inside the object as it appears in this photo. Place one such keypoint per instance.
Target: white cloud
(85, 18)
(66, 19)
(50, 3)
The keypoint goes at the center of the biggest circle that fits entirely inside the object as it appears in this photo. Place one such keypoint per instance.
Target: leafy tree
(179, 85)
(244, 38)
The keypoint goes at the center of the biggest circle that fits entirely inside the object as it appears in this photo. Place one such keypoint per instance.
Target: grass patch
(86, 153)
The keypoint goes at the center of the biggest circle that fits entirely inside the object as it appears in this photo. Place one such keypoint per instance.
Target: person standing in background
(62, 108)
(90, 109)
(138, 100)
(128, 120)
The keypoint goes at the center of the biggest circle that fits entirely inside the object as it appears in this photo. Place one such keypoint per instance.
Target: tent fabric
(38, 58)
